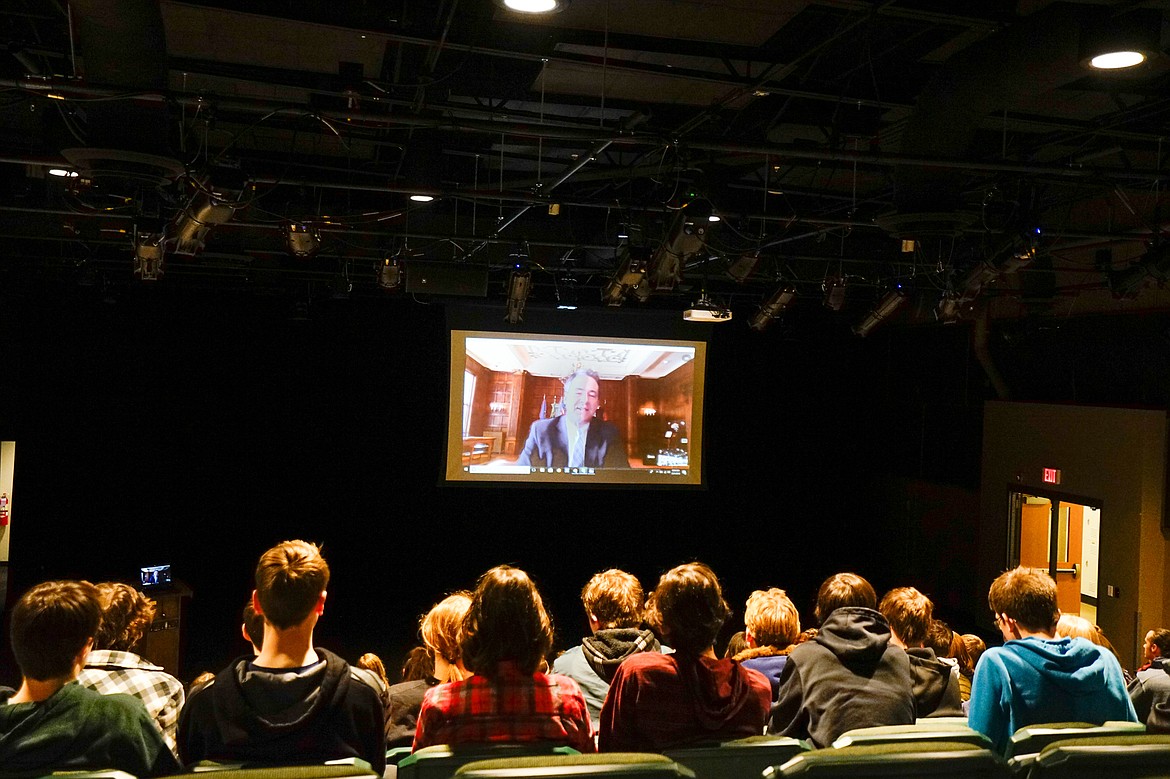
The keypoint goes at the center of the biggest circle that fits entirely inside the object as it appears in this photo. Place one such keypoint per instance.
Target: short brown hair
(772, 618)
(126, 614)
(687, 608)
(441, 628)
(51, 624)
(290, 578)
(1027, 595)
(1161, 639)
(942, 639)
(843, 589)
(506, 621)
(909, 613)
(615, 598)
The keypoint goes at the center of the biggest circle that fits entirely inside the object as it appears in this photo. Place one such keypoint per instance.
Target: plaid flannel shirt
(108, 671)
(505, 708)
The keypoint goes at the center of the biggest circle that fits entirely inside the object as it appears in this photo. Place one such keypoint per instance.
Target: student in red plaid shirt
(113, 667)
(506, 635)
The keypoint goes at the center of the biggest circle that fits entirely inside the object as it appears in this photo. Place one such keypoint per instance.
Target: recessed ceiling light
(713, 218)
(63, 173)
(535, 6)
(1115, 60)
(422, 198)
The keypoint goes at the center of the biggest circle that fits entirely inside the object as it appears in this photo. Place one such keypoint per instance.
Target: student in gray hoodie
(850, 676)
(613, 604)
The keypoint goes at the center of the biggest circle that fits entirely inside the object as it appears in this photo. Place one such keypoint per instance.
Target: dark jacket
(405, 701)
(661, 701)
(849, 676)
(77, 729)
(325, 711)
(936, 684)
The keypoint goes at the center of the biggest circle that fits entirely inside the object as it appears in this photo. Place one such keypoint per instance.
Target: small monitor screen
(155, 575)
(557, 409)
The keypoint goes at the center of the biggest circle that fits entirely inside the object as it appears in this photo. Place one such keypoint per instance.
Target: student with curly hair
(113, 666)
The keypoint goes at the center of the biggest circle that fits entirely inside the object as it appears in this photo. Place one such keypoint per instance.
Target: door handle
(1076, 569)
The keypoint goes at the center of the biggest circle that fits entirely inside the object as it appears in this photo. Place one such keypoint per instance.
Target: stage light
(195, 221)
(389, 274)
(947, 310)
(705, 310)
(834, 287)
(885, 308)
(629, 275)
(743, 266)
(566, 291)
(149, 252)
(422, 198)
(63, 173)
(519, 285)
(772, 307)
(302, 238)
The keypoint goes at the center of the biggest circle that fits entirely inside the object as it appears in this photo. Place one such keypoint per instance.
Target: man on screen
(575, 439)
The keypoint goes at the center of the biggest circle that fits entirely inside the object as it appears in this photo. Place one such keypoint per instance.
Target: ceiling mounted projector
(705, 311)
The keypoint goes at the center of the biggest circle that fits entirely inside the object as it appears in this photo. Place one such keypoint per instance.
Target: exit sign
(1052, 476)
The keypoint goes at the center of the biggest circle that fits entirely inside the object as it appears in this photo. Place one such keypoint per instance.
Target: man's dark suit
(548, 445)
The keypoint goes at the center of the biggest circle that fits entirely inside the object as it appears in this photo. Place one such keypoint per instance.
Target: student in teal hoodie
(1036, 677)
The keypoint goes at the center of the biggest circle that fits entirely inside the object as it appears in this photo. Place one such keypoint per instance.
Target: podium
(163, 642)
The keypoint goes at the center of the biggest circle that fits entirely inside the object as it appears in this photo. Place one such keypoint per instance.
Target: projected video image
(556, 408)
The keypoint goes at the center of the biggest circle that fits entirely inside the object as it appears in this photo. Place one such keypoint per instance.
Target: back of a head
(506, 621)
(51, 624)
(976, 646)
(843, 589)
(253, 625)
(1027, 595)
(687, 608)
(442, 627)
(772, 618)
(418, 665)
(1073, 626)
(942, 639)
(290, 578)
(909, 613)
(371, 662)
(126, 615)
(614, 598)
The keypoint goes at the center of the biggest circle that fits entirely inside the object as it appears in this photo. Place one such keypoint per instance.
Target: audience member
(936, 682)
(772, 627)
(506, 634)
(1035, 676)
(372, 663)
(51, 724)
(252, 627)
(113, 667)
(199, 681)
(1151, 686)
(440, 629)
(418, 664)
(613, 605)
(976, 646)
(941, 635)
(292, 702)
(657, 701)
(850, 676)
(736, 644)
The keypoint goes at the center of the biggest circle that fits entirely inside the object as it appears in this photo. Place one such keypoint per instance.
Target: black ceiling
(822, 133)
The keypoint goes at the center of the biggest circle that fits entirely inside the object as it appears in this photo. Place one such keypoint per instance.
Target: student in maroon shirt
(656, 701)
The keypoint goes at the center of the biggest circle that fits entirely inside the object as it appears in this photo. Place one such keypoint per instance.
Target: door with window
(1061, 534)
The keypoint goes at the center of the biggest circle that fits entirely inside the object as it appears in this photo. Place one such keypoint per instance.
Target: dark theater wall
(199, 428)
